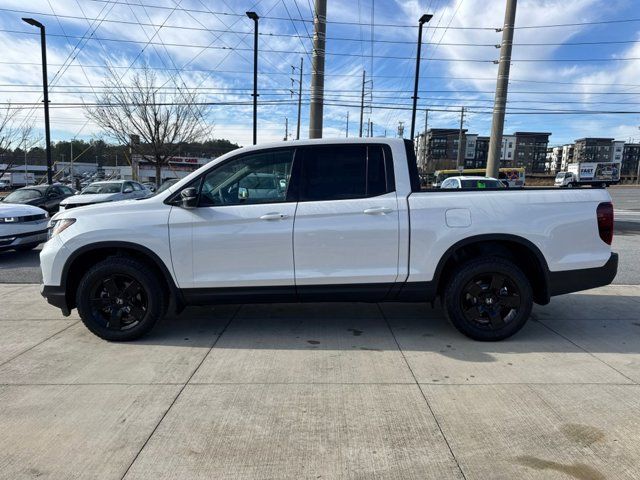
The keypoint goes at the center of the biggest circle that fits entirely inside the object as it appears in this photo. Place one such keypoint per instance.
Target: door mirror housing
(189, 197)
(128, 190)
(243, 193)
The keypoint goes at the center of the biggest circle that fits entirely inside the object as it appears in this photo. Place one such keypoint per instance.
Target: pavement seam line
(39, 343)
(534, 317)
(426, 401)
(184, 385)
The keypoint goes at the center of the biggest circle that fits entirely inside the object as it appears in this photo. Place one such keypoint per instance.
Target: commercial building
(593, 149)
(630, 159)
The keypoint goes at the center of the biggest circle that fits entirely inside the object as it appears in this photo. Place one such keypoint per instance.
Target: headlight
(57, 226)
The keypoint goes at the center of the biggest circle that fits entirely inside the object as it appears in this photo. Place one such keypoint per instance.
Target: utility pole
(299, 99)
(254, 16)
(369, 127)
(423, 19)
(371, 130)
(502, 86)
(317, 69)
(362, 102)
(286, 128)
(460, 160)
(347, 129)
(424, 147)
(401, 129)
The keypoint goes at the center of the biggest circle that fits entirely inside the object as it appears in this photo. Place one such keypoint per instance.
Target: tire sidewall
(136, 270)
(465, 274)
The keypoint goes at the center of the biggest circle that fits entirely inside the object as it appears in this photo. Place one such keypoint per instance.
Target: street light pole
(45, 88)
(423, 19)
(254, 16)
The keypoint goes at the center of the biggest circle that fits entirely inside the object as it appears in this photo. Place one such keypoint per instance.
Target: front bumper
(56, 296)
(577, 280)
(11, 241)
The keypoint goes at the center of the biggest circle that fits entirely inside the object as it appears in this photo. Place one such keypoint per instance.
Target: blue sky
(213, 52)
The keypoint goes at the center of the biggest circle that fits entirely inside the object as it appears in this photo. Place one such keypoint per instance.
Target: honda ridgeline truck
(327, 220)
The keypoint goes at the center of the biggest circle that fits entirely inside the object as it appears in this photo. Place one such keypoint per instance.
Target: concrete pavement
(358, 391)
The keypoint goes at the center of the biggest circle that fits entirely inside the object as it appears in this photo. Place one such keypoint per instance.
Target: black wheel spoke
(115, 318)
(497, 281)
(137, 312)
(131, 290)
(474, 289)
(511, 301)
(496, 319)
(110, 287)
(101, 302)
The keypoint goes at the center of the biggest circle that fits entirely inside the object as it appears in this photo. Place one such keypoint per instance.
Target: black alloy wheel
(488, 298)
(119, 301)
(490, 301)
(121, 298)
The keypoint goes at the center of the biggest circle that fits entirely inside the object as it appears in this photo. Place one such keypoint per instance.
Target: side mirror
(128, 190)
(189, 197)
(243, 193)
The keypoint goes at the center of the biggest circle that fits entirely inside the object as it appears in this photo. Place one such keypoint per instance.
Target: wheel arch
(88, 255)
(524, 253)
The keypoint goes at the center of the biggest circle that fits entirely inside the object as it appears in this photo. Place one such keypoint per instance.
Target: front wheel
(488, 299)
(120, 299)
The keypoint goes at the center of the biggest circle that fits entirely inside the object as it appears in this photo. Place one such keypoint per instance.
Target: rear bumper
(584, 279)
(57, 297)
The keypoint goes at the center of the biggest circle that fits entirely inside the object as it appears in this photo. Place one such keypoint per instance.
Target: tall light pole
(423, 19)
(45, 88)
(254, 16)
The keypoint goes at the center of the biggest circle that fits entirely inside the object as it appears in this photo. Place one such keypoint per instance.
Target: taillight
(605, 222)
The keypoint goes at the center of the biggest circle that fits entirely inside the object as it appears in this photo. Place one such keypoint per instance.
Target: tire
(569, 185)
(26, 248)
(120, 299)
(488, 299)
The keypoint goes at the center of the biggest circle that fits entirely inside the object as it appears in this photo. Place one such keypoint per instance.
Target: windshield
(560, 176)
(166, 185)
(481, 184)
(23, 195)
(113, 187)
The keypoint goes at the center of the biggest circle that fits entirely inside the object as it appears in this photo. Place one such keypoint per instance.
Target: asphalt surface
(24, 267)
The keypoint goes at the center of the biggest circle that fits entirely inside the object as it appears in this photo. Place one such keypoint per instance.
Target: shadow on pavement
(613, 326)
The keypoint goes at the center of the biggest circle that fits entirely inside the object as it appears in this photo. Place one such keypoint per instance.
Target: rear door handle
(377, 211)
(273, 216)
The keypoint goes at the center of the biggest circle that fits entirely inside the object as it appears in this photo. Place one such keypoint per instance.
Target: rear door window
(338, 172)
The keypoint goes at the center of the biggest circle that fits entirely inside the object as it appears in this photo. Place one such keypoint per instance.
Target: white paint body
(396, 237)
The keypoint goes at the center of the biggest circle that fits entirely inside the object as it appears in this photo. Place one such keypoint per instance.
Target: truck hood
(106, 206)
(18, 210)
(86, 198)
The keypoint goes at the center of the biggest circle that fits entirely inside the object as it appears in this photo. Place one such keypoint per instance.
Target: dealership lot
(323, 391)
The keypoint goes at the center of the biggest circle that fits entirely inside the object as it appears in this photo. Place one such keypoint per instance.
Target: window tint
(256, 178)
(136, 186)
(337, 172)
(67, 190)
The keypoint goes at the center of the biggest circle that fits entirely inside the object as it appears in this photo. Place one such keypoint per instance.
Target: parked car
(22, 227)
(471, 182)
(350, 223)
(106, 191)
(47, 197)
(150, 186)
(166, 184)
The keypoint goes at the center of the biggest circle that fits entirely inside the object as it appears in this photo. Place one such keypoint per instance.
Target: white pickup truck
(327, 220)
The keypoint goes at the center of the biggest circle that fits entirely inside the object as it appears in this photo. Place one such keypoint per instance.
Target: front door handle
(273, 216)
(377, 211)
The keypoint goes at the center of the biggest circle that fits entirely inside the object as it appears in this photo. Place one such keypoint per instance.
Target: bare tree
(162, 121)
(11, 135)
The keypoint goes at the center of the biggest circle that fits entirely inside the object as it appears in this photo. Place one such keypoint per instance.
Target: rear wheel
(488, 299)
(120, 299)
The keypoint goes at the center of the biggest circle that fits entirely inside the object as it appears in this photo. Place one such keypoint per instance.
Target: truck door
(241, 233)
(347, 222)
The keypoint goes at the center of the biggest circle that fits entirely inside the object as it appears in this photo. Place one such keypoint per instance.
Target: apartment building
(593, 149)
